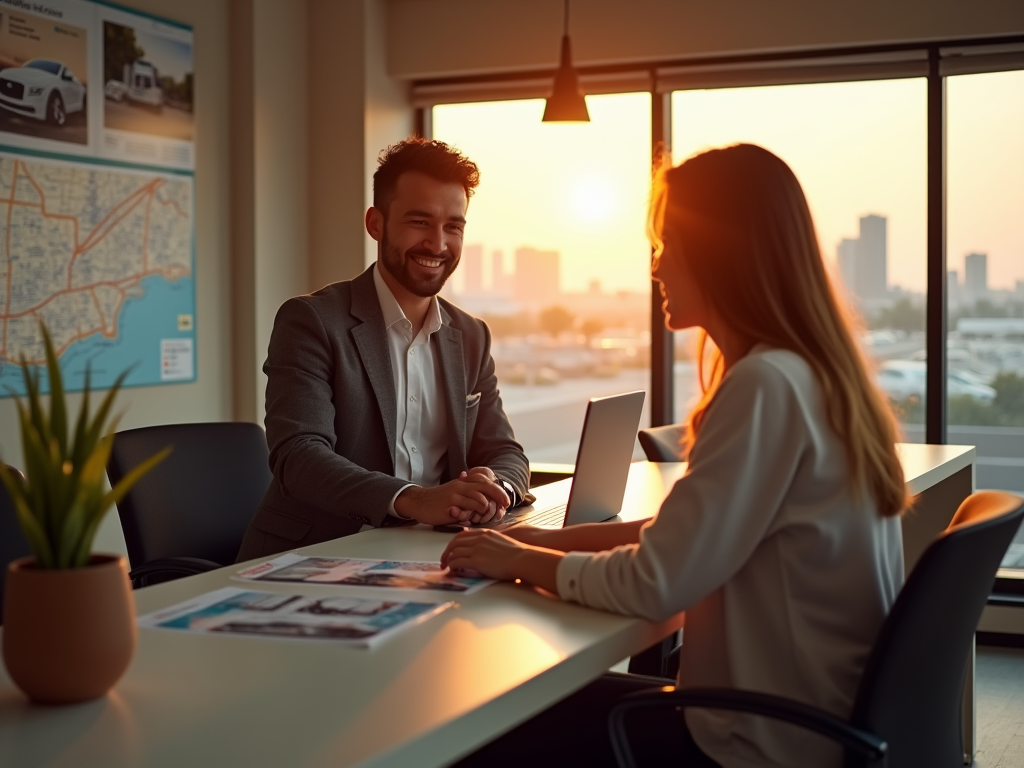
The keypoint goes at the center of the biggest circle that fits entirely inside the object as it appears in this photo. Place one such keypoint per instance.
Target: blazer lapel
(453, 367)
(372, 342)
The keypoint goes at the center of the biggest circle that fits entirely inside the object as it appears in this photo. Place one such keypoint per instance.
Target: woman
(782, 542)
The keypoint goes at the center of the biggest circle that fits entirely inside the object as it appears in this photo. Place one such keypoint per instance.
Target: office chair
(13, 544)
(189, 514)
(909, 705)
(661, 659)
(663, 443)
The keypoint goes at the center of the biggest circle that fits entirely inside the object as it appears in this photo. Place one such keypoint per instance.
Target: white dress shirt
(785, 575)
(421, 431)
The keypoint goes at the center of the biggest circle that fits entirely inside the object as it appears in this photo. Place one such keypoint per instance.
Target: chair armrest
(865, 744)
(170, 566)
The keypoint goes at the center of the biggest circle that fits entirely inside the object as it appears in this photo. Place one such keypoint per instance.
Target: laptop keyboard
(543, 518)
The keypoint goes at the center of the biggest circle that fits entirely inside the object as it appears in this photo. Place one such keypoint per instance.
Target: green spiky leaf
(34, 534)
(64, 498)
(79, 449)
(58, 410)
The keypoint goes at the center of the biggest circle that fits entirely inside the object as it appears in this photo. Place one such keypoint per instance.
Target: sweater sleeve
(741, 467)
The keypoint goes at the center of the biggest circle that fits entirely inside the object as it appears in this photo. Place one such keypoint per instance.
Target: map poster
(96, 194)
(103, 256)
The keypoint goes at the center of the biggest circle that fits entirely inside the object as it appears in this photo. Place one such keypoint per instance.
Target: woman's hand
(531, 534)
(487, 552)
(497, 556)
(589, 537)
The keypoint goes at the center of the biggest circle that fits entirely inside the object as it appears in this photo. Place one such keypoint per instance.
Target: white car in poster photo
(43, 89)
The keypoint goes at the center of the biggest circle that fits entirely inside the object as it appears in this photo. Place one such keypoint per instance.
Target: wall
(269, 162)
(433, 38)
(209, 398)
(355, 110)
(292, 106)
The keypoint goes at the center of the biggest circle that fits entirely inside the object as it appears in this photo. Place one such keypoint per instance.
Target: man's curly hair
(427, 156)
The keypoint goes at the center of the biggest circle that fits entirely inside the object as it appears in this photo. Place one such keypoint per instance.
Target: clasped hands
(475, 496)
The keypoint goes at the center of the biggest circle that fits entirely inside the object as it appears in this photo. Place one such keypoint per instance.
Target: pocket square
(472, 400)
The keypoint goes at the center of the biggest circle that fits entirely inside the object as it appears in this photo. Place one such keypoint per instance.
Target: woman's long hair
(748, 240)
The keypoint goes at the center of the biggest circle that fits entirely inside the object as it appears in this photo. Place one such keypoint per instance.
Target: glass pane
(985, 255)
(859, 151)
(556, 258)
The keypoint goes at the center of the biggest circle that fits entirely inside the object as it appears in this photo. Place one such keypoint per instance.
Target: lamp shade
(566, 104)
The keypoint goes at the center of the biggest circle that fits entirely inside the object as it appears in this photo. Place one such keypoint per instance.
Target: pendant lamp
(566, 103)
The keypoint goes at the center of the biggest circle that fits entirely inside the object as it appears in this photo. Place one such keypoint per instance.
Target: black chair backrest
(12, 541)
(912, 687)
(663, 443)
(199, 500)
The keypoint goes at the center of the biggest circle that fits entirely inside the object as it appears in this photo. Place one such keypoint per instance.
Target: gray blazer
(331, 416)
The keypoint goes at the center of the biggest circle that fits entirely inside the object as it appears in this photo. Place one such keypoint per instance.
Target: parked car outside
(43, 89)
(901, 379)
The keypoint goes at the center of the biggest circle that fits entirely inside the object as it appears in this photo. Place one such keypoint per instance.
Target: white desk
(428, 696)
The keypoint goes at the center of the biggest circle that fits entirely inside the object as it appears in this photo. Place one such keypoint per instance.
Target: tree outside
(119, 48)
(1006, 410)
(556, 320)
(591, 327)
(903, 315)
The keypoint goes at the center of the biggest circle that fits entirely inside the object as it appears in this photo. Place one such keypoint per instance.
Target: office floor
(1000, 691)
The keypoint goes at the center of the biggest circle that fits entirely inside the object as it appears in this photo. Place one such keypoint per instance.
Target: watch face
(509, 490)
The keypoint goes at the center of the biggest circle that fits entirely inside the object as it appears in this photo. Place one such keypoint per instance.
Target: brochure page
(392, 574)
(344, 620)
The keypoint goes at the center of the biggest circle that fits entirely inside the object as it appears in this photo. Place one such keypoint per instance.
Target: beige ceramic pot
(68, 634)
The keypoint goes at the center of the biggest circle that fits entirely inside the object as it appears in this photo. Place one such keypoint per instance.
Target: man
(382, 403)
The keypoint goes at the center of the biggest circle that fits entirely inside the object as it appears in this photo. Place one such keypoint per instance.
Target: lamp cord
(565, 30)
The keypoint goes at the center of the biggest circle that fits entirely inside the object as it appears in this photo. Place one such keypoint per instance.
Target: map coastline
(105, 257)
(137, 342)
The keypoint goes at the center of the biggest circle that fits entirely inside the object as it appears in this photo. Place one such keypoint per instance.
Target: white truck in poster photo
(43, 89)
(141, 85)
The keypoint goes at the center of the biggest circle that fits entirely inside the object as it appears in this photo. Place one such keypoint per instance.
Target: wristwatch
(510, 490)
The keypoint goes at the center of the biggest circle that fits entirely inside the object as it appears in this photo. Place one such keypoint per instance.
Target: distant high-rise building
(472, 268)
(1020, 290)
(871, 278)
(537, 281)
(976, 276)
(952, 288)
(847, 258)
(499, 280)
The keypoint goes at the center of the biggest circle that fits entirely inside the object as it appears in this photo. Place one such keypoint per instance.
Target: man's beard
(397, 264)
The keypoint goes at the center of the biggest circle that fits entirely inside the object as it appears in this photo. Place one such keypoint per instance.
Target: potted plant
(69, 616)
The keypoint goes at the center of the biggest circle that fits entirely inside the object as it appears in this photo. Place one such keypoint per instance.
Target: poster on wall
(96, 194)
(147, 90)
(44, 76)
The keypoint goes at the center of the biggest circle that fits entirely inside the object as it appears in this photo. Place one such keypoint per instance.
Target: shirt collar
(392, 311)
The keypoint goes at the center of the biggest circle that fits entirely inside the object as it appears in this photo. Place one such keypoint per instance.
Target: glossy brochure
(354, 572)
(346, 620)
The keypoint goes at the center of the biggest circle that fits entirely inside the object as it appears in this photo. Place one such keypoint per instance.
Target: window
(556, 258)
(858, 149)
(985, 259)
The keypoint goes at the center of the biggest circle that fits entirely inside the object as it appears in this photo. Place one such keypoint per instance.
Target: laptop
(602, 467)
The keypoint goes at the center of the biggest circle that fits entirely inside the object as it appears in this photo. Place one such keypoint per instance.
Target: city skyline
(538, 285)
(582, 189)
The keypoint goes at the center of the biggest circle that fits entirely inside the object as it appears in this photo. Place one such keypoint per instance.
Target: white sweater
(784, 575)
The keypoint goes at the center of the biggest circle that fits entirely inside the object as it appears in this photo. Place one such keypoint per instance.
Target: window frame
(933, 60)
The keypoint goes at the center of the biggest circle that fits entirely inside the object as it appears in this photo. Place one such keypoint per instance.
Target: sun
(592, 199)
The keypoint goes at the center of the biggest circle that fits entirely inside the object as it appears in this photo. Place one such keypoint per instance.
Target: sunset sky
(857, 148)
